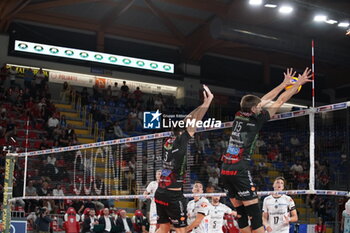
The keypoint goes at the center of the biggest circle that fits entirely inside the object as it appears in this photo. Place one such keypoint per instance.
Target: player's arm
(200, 111)
(293, 216)
(273, 93)
(286, 95)
(265, 218)
(196, 222)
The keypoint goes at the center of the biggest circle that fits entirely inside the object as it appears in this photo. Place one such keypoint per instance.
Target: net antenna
(312, 123)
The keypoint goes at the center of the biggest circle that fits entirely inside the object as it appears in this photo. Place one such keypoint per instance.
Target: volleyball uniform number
(275, 220)
(214, 224)
(238, 127)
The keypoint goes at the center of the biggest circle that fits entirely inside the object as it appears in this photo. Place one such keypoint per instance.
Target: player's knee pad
(243, 220)
(254, 213)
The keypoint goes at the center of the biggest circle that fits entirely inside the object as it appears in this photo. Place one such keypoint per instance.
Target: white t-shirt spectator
(297, 168)
(214, 181)
(31, 191)
(53, 122)
(57, 192)
(294, 141)
(51, 160)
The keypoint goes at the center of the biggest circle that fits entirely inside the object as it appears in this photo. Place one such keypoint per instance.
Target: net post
(313, 71)
(8, 185)
(312, 149)
(26, 159)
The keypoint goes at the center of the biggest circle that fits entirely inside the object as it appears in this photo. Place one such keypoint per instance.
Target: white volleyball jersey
(151, 189)
(278, 209)
(216, 214)
(346, 226)
(201, 206)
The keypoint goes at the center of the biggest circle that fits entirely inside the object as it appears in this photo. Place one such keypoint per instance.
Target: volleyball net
(308, 147)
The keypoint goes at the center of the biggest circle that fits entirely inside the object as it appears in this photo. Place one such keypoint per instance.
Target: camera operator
(42, 222)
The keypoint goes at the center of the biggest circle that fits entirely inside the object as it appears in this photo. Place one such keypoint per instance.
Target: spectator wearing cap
(139, 222)
(124, 223)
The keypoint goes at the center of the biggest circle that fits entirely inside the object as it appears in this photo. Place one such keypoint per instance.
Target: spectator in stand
(63, 121)
(28, 78)
(105, 115)
(38, 79)
(51, 159)
(106, 221)
(69, 131)
(58, 192)
(89, 222)
(43, 221)
(140, 223)
(138, 94)
(31, 191)
(118, 132)
(96, 114)
(260, 146)
(297, 168)
(214, 179)
(125, 90)
(96, 92)
(158, 103)
(84, 95)
(108, 93)
(52, 124)
(12, 74)
(115, 91)
(11, 129)
(124, 223)
(66, 92)
(3, 74)
(294, 141)
(18, 106)
(133, 122)
(320, 227)
(78, 205)
(44, 189)
(32, 217)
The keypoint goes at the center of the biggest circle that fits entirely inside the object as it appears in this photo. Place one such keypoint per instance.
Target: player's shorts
(171, 207)
(238, 181)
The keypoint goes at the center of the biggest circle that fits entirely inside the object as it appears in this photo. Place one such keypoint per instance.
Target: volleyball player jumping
(169, 198)
(235, 170)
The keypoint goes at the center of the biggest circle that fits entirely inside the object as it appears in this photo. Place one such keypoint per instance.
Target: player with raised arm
(169, 198)
(235, 169)
(278, 210)
(151, 190)
(217, 213)
(198, 211)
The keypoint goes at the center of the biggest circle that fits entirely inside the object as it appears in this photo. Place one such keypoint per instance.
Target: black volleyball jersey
(174, 161)
(245, 130)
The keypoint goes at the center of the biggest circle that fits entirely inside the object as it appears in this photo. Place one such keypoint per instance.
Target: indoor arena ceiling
(188, 25)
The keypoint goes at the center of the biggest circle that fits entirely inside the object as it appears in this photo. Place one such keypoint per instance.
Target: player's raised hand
(305, 77)
(288, 76)
(208, 96)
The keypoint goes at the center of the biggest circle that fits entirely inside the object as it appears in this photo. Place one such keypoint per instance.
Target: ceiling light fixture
(270, 5)
(255, 2)
(320, 18)
(343, 24)
(285, 9)
(331, 21)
